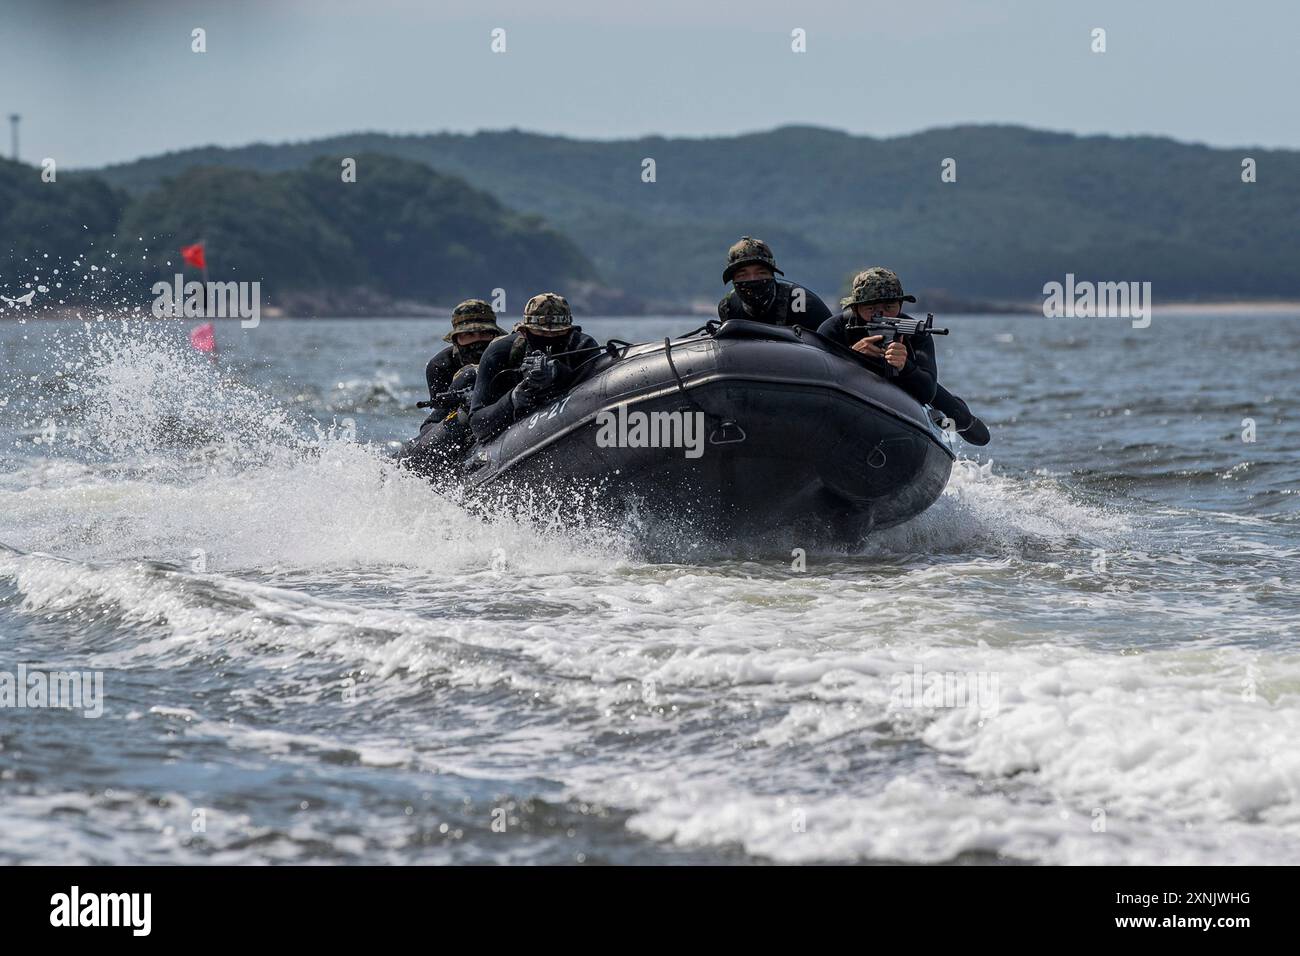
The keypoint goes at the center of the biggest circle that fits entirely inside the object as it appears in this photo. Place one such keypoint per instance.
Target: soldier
(473, 327)
(758, 295)
(444, 438)
(542, 351)
(445, 434)
(877, 293)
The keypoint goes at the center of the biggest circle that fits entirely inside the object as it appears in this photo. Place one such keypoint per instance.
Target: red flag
(204, 338)
(193, 255)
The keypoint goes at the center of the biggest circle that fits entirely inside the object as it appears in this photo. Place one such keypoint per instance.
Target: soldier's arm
(724, 307)
(489, 417)
(923, 354)
(585, 341)
(437, 374)
(917, 377)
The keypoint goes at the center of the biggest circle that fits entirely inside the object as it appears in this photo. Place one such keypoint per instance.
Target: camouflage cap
(547, 311)
(473, 315)
(876, 284)
(748, 250)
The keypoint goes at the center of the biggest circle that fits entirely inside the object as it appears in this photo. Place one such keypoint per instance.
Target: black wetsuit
(491, 409)
(784, 309)
(919, 376)
(444, 434)
(441, 444)
(438, 374)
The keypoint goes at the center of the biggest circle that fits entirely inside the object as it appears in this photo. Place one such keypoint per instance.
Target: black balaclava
(548, 344)
(757, 294)
(472, 353)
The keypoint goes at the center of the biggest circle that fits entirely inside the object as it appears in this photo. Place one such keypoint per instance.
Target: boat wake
(156, 452)
(248, 573)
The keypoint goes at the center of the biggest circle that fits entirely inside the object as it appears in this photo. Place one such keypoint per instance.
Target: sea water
(1087, 651)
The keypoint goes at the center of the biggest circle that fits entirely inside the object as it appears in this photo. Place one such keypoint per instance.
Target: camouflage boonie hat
(749, 250)
(473, 315)
(547, 311)
(876, 284)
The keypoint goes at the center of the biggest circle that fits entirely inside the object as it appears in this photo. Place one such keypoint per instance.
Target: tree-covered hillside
(401, 230)
(1027, 206)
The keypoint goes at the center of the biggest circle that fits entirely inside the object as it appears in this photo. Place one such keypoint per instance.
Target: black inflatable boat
(739, 429)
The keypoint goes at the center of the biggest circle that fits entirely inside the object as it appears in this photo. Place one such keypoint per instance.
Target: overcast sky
(101, 81)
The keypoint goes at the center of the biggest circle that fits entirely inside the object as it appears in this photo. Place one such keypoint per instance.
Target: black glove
(539, 371)
(522, 397)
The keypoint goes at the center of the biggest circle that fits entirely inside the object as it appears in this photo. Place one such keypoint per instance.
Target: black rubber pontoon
(797, 433)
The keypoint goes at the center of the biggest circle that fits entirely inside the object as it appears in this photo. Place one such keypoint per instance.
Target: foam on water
(195, 460)
(1075, 731)
(734, 703)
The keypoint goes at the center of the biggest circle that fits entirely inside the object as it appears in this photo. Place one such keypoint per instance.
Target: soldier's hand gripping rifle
(460, 392)
(900, 329)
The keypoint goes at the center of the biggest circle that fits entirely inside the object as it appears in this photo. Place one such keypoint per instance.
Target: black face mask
(549, 344)
(472, 353)
(757, 294)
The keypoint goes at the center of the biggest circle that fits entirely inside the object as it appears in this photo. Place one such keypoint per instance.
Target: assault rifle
(900, 329)
(455, 397)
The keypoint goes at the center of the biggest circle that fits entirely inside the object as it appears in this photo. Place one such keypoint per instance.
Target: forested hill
(402, 231)
(1026, 207)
